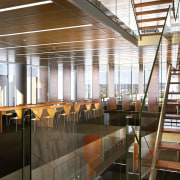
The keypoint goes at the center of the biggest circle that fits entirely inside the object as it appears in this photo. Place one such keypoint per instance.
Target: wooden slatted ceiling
(151, 3)
(53, 16)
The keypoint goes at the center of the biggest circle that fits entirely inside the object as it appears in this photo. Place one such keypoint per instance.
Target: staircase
(151, 16)
(170, 141)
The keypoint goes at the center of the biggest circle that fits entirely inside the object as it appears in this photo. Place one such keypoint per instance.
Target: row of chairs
(37, 112)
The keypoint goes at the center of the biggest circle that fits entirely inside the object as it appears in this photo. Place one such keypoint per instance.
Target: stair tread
(148, 128)
(168, 165)
(152, 11)
(174, 82)
(174, 93)
(171, 130)
(151, 27)
(151, 3)
(151, 19)
(175, 73)
(151, 34)
(172, 116)
(173, 103)
(168, 146)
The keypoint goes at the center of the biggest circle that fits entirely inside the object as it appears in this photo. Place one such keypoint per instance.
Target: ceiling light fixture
(45, 30)
(25, 5)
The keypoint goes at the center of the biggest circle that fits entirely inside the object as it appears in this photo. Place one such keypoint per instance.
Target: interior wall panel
(67, 83)
(43, 84)
(53, 84)
(80, 83)
(95, 82)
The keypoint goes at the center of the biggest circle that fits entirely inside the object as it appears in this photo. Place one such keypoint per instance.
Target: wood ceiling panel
(54, 24)
(10, 3)
(79, 13)
(32, 11)
(65, 4)
(33, 19)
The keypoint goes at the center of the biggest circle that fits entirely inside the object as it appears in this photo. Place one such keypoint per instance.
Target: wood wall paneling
(140, 84)
(153, 90)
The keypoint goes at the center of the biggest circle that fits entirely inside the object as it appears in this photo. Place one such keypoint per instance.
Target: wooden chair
(7, 115)
(19, 116)
(87, 111)
(51, 112)
(95, 109)
(38, 113)
(76, 112)
(66, 113)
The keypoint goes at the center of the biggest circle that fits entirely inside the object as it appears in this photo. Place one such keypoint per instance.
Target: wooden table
(3, 110)
(47, 105)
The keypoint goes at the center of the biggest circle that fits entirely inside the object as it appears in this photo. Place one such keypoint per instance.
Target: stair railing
(161, 122)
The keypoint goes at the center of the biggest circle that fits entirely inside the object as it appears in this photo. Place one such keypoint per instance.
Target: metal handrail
(159, 133)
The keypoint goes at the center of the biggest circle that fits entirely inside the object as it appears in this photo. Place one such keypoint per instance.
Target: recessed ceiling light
(45, 30)
(26, 5)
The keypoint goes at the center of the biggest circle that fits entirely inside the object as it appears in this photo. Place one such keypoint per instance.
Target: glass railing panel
(11, 162)
(52, 140)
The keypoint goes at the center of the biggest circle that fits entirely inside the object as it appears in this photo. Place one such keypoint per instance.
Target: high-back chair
(18, 117)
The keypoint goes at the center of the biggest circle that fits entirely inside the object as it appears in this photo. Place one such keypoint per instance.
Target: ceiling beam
(98, 15)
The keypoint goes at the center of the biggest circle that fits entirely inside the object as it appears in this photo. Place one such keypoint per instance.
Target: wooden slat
(151, 34)
(173, 103)
(174, 92)
(171, 130)
(152, 3)
(172, 116)
(151, 19)
(174, 82)
(151, 27)
(151, 11)
(148, 128)
(175, 73)
(168, 165)
(168, 146)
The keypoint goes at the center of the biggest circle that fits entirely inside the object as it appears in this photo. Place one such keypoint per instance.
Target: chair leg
(34, 126)
(16, 125)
